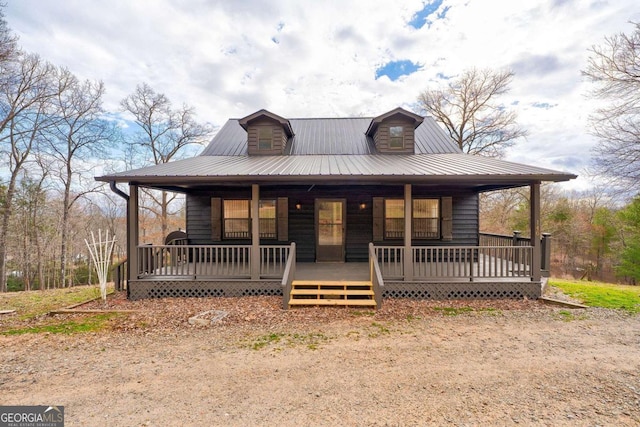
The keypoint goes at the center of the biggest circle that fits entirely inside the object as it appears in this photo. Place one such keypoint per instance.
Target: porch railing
(391, 261)
(472, 262)
(191, 261)
(119, 275)
(456, 262)
(489, 239)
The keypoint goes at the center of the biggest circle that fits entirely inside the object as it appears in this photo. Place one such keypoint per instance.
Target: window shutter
(282, 211)
(216, 219)
(378, 219)
(447, 218)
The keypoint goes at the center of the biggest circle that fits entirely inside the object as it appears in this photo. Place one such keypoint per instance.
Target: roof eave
(354, 179)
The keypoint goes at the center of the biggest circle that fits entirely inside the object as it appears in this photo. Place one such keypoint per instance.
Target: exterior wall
(359, 227)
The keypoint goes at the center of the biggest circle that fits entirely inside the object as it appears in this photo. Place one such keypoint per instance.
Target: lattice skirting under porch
(462, 290)
(141, 289)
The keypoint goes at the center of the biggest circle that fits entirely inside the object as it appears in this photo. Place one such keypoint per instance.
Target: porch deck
(332, 271)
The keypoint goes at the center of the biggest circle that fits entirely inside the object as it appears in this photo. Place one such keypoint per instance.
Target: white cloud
(221, 58)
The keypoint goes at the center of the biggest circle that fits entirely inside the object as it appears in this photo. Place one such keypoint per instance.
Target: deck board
(338, 271)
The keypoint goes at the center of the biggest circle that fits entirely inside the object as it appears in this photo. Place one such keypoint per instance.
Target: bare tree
(614, 68)
(79, 133)
(470, 111)
(8, 40)
(163, 135)
(24, 113)
(29, 220)
(497, 209)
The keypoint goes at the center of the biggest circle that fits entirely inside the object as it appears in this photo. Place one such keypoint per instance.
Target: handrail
(288, 276)
(491, 239)
(375, 274)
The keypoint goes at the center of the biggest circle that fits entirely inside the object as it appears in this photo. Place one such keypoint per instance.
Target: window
(265, 138)
(393, 218)
(267, 210)
(396, 137)
(425, 221)
(237, 219)
(426, 217)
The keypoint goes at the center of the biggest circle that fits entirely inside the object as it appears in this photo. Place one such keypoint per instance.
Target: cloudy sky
(335, 58)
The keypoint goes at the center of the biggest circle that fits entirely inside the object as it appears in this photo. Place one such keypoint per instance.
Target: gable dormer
(267, 133)
(394, 132)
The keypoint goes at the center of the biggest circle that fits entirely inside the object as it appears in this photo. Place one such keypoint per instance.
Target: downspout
(119, 192)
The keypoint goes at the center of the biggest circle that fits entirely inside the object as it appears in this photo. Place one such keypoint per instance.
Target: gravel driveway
(410, 363)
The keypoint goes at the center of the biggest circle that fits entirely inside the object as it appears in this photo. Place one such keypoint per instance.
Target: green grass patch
(30, 304)
(93, 323)
(359, 313)
(277, 340)
(411, 318)
(265, 340)
(453, 311)
(378, 329)
(568, 316)
(599, 294)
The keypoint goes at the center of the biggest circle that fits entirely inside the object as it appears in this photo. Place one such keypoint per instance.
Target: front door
(330, 230)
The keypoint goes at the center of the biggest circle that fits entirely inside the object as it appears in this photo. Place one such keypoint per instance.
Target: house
(392, 197)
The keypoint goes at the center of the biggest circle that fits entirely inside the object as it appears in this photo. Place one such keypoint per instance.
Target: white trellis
(101, 255)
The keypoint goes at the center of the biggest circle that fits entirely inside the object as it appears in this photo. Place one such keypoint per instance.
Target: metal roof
(335, 151)
(450, 168)
(330, 137)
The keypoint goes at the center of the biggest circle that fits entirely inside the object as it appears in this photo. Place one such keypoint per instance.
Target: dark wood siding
(278, 133)
(378, 218)
(446, 218)
(216, 219)
(282, 212)
(360, 208)
(381, 136)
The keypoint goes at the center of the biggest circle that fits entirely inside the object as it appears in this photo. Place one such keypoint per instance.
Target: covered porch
(496, 266)
(501, 267)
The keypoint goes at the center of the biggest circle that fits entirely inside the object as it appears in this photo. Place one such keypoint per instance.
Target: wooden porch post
(545, 265)
(534, 207)
(132, 234)
(408, 254)
(255, 232)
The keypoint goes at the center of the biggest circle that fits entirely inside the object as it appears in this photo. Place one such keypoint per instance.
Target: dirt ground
(410, 363)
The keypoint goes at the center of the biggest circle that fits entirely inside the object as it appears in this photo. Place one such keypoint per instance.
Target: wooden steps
(332, 292)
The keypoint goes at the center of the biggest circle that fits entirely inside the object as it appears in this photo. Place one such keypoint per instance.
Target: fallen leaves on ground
(266, 311)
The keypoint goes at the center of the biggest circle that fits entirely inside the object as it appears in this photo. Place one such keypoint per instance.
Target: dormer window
(396, 137)
(265, 138)
(394, 132)
(267, 133)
